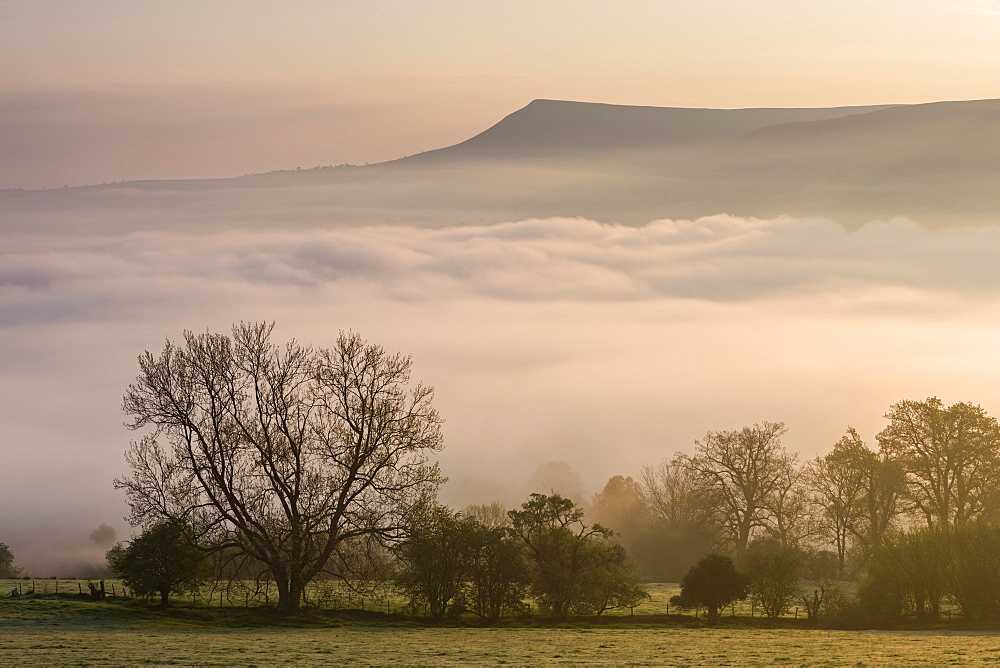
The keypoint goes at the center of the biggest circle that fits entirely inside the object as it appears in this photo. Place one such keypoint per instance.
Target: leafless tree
(679, 509)
(490, 515)
(283, 453)
(744, 469)
(675, 495)
(859, 495)
(836, 483)
(791, 514)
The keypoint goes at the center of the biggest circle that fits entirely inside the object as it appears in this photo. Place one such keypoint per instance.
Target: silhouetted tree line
(912, 519)
(293, 464)
(935, 466)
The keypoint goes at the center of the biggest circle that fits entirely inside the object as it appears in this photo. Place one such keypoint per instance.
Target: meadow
(69, 629)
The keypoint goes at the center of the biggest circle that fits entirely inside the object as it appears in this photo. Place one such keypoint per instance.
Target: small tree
(774, 571)
(497, 577)
(160, 560)
(560, 550)
(613, 584)
(104, 536)
(435, 558)
(7, 568)
(714, 583)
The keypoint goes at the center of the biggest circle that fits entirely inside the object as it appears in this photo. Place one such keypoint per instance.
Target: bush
(160, 560)
(774, 571)
(714, 583)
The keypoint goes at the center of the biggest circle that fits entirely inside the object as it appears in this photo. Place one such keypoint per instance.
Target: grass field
(387, 645)
(50, 630)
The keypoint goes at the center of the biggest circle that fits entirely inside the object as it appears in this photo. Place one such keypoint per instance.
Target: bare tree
(883, 497)
(837, 485)
(860, 493)
(682, 526)
(744, 469)
(792, 517)
(950, 455)
(281, 453)
(490, 515)
(675, 495)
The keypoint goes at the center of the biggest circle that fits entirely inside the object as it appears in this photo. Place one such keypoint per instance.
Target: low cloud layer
(558, 339)
(716, 259)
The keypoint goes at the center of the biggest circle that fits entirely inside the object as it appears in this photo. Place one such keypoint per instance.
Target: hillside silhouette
(937, 163)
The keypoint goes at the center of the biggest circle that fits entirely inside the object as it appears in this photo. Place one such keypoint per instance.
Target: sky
(100, 91)
(606, 346)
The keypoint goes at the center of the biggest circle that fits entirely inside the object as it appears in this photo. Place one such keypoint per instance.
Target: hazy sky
(117, 89)
(606, 346)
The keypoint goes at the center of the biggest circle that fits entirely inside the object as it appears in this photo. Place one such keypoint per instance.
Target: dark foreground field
(69, 630)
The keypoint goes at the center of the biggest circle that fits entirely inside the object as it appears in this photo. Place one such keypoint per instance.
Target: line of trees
(303, 463)
(912, 574)
(935, 465)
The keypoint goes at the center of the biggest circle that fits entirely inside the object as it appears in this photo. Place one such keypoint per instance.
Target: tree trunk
(713, 614)
(164, 598)
(742, 540)
(290, 588)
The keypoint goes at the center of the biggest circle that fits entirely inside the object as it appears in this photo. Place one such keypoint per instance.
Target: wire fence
(378, 597)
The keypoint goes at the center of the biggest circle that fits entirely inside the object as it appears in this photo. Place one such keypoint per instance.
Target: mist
(602, 345)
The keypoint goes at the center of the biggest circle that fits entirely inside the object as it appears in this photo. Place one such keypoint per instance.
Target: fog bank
(605, 346)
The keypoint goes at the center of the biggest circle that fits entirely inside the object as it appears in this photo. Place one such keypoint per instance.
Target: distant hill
(558, 129)
(938, 163)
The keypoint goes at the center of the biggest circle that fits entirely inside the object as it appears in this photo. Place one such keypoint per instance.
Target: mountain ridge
(937, 163)
(554, 128)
